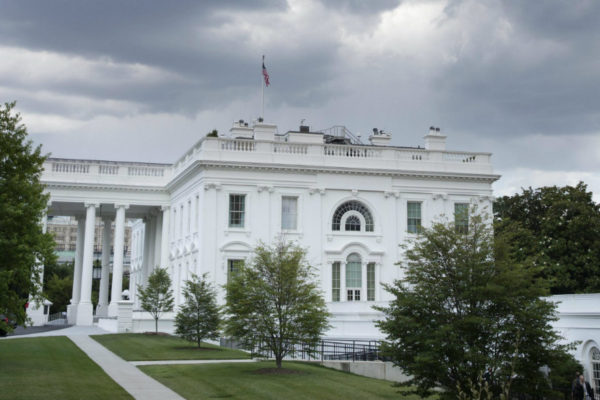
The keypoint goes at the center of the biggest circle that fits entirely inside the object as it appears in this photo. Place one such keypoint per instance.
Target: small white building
(350, 204)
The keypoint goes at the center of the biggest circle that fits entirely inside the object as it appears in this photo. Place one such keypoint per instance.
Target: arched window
(352, 222)
(596, 368)
(353, 277)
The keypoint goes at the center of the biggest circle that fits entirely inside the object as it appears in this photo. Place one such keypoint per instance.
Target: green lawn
(140, 347)
(240, 381)
(52, 368)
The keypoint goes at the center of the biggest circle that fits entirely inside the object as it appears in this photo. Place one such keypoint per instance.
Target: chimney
(264, 131)
(241, 130)
(434, 140)
(304, 135)
(380, 138)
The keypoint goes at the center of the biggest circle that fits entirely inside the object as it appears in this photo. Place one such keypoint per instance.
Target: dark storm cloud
(518, 78)
(557, 19)
(190, 40)
(361, 6)
(542, 80)
(126, 30)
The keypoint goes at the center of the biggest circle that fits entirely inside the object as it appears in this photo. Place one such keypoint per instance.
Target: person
(487, 376)
(583, 390)
(574, 383)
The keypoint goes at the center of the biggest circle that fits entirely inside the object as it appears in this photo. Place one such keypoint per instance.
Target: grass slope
(240, 381)
(52, 368)
(140, 347)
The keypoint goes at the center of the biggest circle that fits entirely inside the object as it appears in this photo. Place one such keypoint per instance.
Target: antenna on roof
(302, 121)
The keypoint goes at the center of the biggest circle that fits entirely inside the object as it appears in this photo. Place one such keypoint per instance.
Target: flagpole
(262, 86)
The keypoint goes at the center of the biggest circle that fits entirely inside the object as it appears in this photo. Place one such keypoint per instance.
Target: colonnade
(80, 311)
(155, 249)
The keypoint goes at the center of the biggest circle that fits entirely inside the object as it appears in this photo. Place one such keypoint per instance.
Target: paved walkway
(70, 331)
(175, 362)
(134, 381)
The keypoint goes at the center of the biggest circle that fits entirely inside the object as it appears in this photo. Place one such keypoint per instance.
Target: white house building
(350, 204)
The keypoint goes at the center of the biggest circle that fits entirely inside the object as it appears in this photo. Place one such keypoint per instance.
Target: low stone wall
(372, 369)
(108, 324)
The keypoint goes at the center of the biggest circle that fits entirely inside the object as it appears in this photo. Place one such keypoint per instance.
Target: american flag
(265, 73)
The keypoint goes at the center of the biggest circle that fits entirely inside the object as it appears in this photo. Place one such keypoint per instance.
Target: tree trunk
(156, 325)
(278, 360)
(199, 342)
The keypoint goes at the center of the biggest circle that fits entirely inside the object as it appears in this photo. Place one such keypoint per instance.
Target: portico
(113, 193)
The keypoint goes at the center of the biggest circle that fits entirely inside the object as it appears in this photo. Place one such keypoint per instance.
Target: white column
(151, 242)
(164, 237)
(72, 308)
(363, 286)
(102, 308)
(157, 240)
(85, 312)
(145, 252)
(117, 279)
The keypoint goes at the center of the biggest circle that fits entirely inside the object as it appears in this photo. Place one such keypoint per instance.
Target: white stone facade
(225, 194)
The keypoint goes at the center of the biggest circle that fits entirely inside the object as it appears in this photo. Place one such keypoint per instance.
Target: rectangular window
(181, 221)
(289, 212)
(335, 281)
(237, 207)
(371, 282)
(189, 223)
(461, 217)
(174, 223)
(353, 275)
(353, 280)
(413, 220)
(197, 214)
(233, 266)
(353, 294)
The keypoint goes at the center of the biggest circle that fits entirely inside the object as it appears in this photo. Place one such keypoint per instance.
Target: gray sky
(142, 81)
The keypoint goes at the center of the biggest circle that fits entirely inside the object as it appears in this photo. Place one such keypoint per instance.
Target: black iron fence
(323, 350)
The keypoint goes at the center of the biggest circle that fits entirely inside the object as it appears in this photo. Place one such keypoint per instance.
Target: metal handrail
(326, 350)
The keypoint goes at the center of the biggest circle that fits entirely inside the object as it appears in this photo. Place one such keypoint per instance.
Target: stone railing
(290, 148)
(104, 171)
(70, 167)
(274, 152)
(332, 155)
(337, 150)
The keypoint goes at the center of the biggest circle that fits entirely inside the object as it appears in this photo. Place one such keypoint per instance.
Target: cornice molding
(86, 185)
(356, 171)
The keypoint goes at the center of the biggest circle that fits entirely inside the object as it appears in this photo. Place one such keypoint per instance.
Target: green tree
(562, 368)
(465, 305)
(58, 291)
(157, 297)
(562, 227)
(23, 245)
(275, 300)
(199, 317)
(58, 284)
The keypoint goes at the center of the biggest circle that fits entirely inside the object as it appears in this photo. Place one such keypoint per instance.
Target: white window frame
(403, 212)
(244, 225)
(339, 282)
(297, 222)
(361, 218)
(468, 207)
(352, 292)
(420, 203)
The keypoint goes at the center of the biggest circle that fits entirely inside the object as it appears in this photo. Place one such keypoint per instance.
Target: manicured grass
(241, 381)
(140, 347)
(52, 368)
